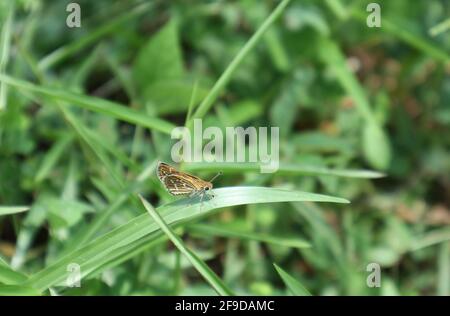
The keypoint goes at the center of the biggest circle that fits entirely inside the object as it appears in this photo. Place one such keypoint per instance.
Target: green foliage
(86, 114)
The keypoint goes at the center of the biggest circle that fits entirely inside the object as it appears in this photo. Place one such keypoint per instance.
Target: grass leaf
(112, 109)
(199, 264)
(226, 231)
(246, 49)
(96, 253)
(7, 210)
(291, 283)
(284, 169)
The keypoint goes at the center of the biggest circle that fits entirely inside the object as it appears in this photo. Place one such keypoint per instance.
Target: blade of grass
(406, 36)
(444, 269)
(199, 264)
(180, 212)
(440, 28)
(8, 210)
(5, 43)
(9, 276)
(113, 109)
(191, 103)
(284, 169)
(431, 238)
(291, 283)
(89, 231)
(52, 157)
(224, 231)
(66, 51)
(17, 290)
(226, 75)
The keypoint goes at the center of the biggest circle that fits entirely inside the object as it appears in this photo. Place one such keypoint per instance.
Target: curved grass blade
(284, 169)
(9, 276)
(291, 283)
(112, 109)
(177, 213)
(226, 75)
(92, 37)
(17, 290)
(223, 231)
(199, 264)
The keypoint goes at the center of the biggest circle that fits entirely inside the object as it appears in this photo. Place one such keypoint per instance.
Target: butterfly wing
(177, 185)
(177, 182)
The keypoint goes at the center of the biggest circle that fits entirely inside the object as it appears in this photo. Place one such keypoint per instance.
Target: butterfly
(182, 183)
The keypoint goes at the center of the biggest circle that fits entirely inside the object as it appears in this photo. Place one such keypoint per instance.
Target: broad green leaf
(291, 283)
(160, 59)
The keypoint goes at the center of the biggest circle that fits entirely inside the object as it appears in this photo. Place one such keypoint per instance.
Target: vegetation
(86, 113)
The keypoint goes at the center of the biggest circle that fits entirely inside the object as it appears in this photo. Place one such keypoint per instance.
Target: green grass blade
(112, 109)
(431, 238)
(285, 169)
(9, 276)
(52, 157)
(68, 50)
(291, 283)
(5, 43)
(199, 264)
(226, 75)
(7, 210)
(179, 212)
(403, 34)
(225, 231)
(18, 290)
(191, 102)
(444, 269)
(440, 28)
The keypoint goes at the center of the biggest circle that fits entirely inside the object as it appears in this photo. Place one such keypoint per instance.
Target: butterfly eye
(206, 188)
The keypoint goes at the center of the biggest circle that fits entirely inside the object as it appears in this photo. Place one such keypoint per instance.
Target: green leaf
(170, 97)
(227, 231)
(97, 252)
(18, 290)
(7, 210)
(91, 37)
(199, 264)
(284, 169)
(5, 43)
(376, 146)
(227, 74)
(431, 238)
(52, 157)
(9, 276)
(112, 109)
(160, 59)
(291, 283)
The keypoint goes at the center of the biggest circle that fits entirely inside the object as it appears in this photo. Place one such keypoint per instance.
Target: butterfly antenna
(218, 174)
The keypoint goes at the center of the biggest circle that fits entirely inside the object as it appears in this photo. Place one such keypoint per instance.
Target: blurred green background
(345, 96)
